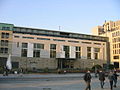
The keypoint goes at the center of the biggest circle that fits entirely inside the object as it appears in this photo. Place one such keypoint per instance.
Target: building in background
(111, 30)
(33, 48)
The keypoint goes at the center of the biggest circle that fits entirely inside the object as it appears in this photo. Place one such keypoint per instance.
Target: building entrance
(116, 64)
(65, 63)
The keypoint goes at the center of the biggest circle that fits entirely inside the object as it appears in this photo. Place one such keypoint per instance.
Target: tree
(111, 66)
(97, 66)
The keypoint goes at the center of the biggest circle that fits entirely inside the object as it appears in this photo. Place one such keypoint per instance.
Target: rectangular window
(28, 37)
(17, 44)
(5, 35)
(36, 53)
(24, 45)
(88, 52)
(5, 28)
(96, 53)
(16, 36)
(116, 57)
(24, 49)
(59, 40)
(24, 53)
(4, 42)
(43, 38)
(67, 51)
(37, 48)
(3, 50)
(52, 50)
(78, 52)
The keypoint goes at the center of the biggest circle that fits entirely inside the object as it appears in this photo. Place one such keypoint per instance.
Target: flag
(8, 63)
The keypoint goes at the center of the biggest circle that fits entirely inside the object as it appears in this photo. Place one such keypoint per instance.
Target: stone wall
(51, 63)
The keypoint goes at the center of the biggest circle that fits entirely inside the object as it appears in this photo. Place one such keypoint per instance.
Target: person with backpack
(87, 78)
(102, 78)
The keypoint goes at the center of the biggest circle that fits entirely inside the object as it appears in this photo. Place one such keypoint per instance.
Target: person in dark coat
(115, 78)
(102, 78)
(111, 78)
(87, 78)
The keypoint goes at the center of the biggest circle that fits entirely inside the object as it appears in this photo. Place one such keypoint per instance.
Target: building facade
(33, 48)
(111, 30)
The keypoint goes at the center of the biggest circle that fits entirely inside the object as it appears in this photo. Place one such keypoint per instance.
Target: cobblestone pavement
(52, 84)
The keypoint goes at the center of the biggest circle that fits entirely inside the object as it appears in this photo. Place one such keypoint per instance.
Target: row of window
(5, 28)
(57, 34)
(60, 40)
(66, 49)
(116, 33)
(116, 45)
(116, 51)
(116, 40)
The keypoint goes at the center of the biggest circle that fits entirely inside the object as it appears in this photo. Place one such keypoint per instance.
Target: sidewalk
(67, 83)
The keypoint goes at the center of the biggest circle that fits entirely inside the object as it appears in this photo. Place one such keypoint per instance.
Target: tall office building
(111, 30)
(33, 48)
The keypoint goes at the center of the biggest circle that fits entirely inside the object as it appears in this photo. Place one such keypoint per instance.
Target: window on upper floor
(5, 28)
(88, 52)
(4, 42)
(4, 50)
(67, 51)
(78, 52)
(5, 35)
(24, 49)
(96, 53)
(52, 50)
(37, 49)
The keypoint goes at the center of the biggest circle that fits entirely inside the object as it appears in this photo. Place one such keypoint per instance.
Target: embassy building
(33, 48)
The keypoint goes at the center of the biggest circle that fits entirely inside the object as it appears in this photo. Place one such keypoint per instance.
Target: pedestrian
(102, 78)
(5, 73)
(111, 78)
(115, 78)
(87, 78)
(21, 72)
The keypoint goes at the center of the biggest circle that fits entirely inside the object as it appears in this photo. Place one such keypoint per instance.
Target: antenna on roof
(59, 27)
(105, 21)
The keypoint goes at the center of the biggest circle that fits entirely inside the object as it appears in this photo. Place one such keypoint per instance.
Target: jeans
(102, 83)
(115, 82)
(88, 87)
(111, 85)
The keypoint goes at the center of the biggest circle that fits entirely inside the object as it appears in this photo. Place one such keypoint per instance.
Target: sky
(78, 16)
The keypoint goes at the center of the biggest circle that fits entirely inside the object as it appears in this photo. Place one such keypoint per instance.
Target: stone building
(33, 48)
(111, 30)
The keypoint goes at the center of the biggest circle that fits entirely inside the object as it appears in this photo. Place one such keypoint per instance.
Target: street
(50, 82)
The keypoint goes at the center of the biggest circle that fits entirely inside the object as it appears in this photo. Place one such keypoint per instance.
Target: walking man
(87, 78)
(102, 78)
(111, 78)
(115, 75)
